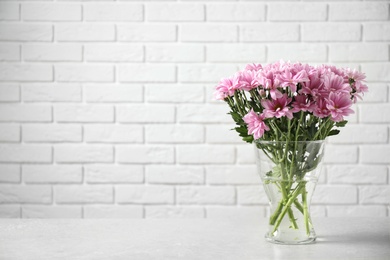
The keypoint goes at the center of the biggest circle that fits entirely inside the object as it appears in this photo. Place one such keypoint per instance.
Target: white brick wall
(106, 107)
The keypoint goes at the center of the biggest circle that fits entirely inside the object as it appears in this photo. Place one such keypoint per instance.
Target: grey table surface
(338, 238)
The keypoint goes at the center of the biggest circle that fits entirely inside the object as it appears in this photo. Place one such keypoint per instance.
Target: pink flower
(339, 105)
(287, 79)
(314, 86)
(256, 125)
(253, 66)
(227, 86)
(335, 84)
(277, 108)
(270, 83)
(249, 80)
(320, 109)
(301, 103)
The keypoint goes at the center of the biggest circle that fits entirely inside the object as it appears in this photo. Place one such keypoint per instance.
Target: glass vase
(289, 172)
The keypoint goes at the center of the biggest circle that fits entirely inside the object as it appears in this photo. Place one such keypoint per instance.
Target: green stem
(305, 210)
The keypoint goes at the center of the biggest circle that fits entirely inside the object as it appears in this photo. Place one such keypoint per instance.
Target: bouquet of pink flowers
(290, 101)
(283, 107)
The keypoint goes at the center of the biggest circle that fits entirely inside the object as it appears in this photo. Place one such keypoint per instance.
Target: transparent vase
(289, 172)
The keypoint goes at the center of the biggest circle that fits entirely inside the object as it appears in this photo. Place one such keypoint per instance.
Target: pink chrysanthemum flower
(335, 84)
(270, 83)
(339, 106)
(287, 79)
(301, 103)
(253, 66)
(256, 125)
(227, 86)
(277, 108)
(320, 110)
(249, 80)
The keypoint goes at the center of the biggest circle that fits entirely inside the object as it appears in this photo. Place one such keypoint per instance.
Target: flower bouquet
(287, 110)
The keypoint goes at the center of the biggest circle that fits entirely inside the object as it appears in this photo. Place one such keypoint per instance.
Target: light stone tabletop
(338, 238)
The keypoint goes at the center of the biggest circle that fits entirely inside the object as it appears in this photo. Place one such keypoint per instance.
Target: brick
(297, 12)
(113, 133)
(376, 71)
(246, 53)
(45, 212)
(356, 211)
(51, 12)
(84, 73)
(174, 174)
(147, 73)
(375, 154)
(83, 113)
(9, 133)
(9, 11)
(374, 194)
(376, 31)
(238, 175)
(89, 32)
(83, 154)
(51, 133)
(9, 52)
(104, 212)
(175, 53)
(229, 12)
(209, 154)
(113, 53)
(340, 194)
(204, 72)
(76, 194)
(10, 173)
(358, 11)
(52, 52)
(9, 211)
(174, 212)
(378, 92)
(245, 154)
(138, 154)
(25, 72)
(113, 12)
(366, 134)
(113, 93)
(9, 92)
(100, 173)
(264, 32)
(222, 134)
(174, 12)
(301, 52)
(25, 153)
(125, 194)
(373, 113)
(168, 93)
(174, 133)
(49, 92)
(235, 213)
(251, 195)
(146, 32)
(335, 32)
(340, 154)
(26, 32)
(203, 114)
(205, 195)
(353, 174)
(359, 52)
(208, 33)
(37, 194)
(145, 113)
(25, 113)
(52, 173)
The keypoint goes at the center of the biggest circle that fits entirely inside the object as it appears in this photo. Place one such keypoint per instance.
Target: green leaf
(341, 123)
(236, 117)
(248, 139)
(334, 132)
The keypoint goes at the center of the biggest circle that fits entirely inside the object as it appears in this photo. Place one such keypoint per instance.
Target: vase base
(291, 241)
